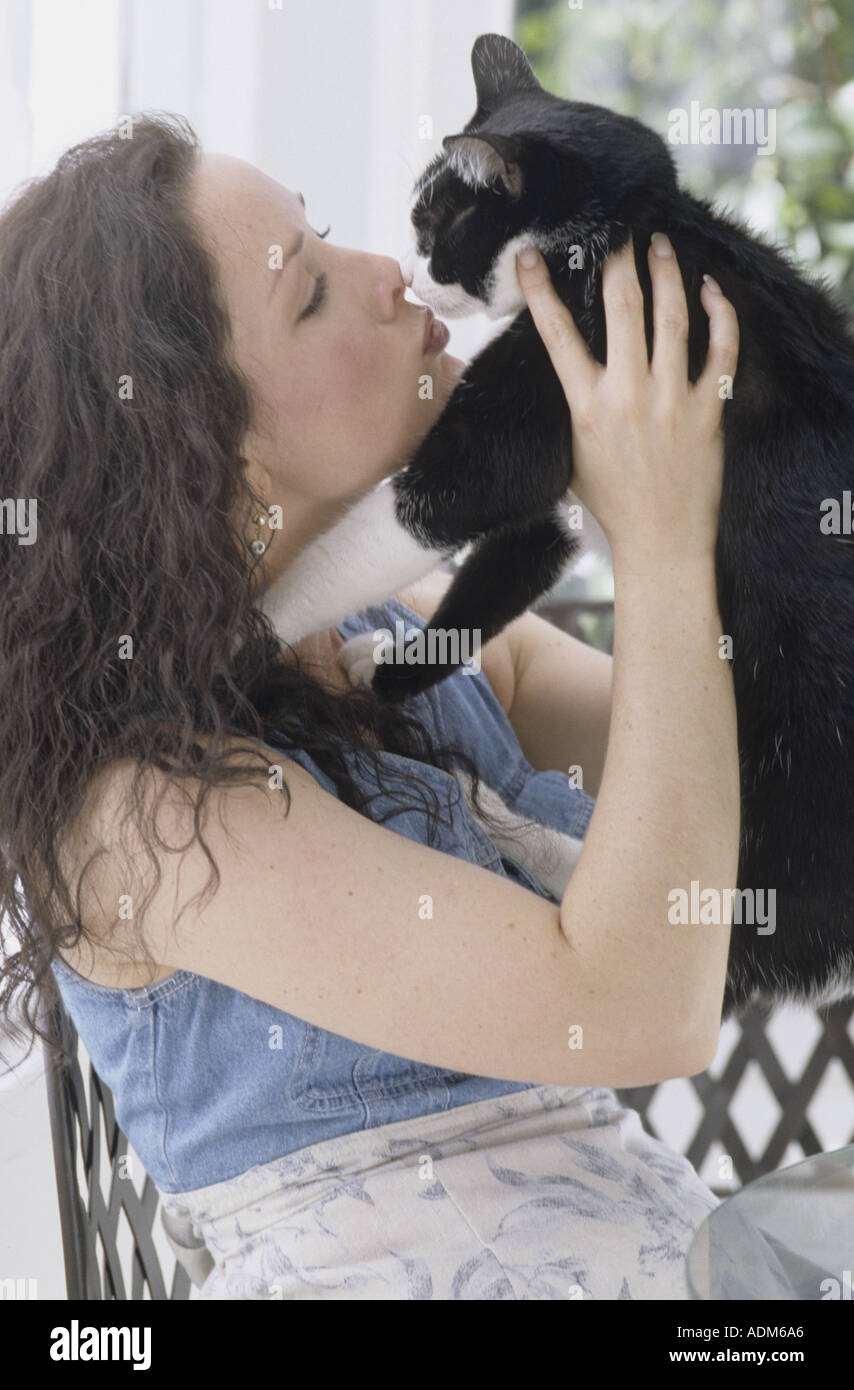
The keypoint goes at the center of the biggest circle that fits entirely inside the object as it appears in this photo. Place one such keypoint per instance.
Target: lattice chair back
(100, 1208)
(90, 1219)
(717, 1091)
(591, 620)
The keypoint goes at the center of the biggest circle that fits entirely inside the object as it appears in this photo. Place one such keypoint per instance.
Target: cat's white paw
(357, 658)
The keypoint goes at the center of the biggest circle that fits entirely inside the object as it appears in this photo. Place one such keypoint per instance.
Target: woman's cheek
(300, 395)
(351, 360)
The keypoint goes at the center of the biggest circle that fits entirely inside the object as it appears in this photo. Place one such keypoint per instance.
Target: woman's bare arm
(648, 461)
(357, 929)
(555, 690)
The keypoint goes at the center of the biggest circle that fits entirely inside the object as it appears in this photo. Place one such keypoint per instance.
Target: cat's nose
(407, 266)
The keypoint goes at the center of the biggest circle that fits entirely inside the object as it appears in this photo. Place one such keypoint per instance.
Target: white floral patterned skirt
(549, 1193)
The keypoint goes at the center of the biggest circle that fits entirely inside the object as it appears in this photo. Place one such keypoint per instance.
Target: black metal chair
(89, 1219)
(793, 1096)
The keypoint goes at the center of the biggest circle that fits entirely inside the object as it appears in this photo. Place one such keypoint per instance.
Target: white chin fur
(448, 301)
(452, 301)
(505, 294)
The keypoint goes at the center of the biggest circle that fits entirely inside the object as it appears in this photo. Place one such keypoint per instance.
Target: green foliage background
(644, 58)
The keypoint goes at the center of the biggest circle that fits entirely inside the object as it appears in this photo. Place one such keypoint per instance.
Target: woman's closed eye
(319, 296)
(316, 299)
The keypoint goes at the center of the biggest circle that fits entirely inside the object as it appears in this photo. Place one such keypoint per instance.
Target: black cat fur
(496, 465)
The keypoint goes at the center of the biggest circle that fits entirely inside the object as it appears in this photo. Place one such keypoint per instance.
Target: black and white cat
(574, 179)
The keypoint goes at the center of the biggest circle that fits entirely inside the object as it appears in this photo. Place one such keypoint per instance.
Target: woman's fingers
(567, 349)
(623, 300)
(627, 364)
(669, 316)
(722, 357)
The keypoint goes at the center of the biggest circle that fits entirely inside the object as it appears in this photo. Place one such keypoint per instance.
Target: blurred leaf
(793, 56)
(834, 266)
(839, 236)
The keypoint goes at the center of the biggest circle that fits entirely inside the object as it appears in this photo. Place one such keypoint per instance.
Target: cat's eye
(459, 219)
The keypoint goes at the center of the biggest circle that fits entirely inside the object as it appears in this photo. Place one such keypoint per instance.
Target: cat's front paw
(356, 656)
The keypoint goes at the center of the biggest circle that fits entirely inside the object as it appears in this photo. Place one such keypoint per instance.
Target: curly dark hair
(104, 278)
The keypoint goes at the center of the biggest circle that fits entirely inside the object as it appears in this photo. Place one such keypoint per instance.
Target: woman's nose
(392, 282)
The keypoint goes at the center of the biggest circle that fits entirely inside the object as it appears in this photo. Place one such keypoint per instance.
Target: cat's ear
(480, 159)
(500, 69)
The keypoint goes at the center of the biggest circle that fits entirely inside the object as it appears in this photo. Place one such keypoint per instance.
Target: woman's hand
(647, 445)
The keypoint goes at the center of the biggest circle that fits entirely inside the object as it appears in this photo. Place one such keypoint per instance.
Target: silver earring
(258, 547)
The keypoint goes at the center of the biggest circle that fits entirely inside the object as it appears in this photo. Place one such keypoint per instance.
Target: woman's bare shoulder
(104, 828)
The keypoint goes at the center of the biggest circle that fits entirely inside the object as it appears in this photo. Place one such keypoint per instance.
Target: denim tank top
(205, 1085)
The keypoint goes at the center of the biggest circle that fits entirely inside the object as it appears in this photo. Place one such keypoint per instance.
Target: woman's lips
(436, 335)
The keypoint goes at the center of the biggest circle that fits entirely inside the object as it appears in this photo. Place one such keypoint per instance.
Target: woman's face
(341, 384)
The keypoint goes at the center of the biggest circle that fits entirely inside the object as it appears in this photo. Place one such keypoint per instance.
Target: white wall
(324, 97)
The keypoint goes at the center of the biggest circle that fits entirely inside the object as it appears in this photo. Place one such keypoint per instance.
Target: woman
(360, 1065)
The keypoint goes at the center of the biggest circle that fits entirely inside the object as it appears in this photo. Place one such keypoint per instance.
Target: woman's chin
(453, 369)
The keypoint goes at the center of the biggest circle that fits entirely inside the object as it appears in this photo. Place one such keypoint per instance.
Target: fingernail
(661, 244)
(529, 257)
(713, 284)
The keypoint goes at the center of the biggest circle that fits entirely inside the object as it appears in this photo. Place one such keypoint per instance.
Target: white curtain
(59, 80)
(328, 97)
